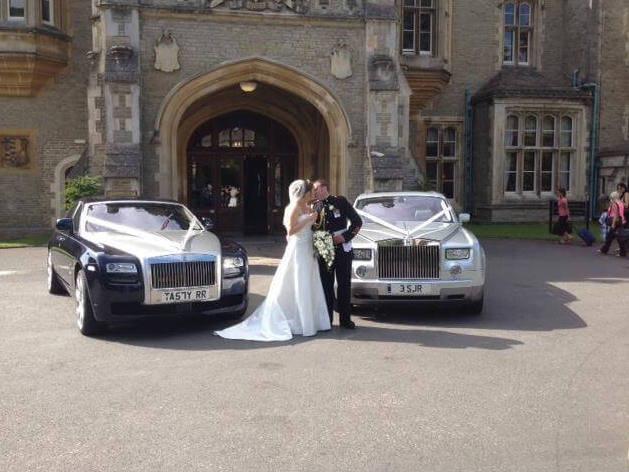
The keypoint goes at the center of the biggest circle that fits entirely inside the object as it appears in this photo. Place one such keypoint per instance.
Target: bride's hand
(313, 216)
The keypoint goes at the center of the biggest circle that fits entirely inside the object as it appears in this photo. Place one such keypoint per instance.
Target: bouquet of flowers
(322, 241)
(324, 246)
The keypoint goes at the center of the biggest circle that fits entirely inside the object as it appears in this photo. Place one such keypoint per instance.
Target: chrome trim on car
(181, 272)
(409, 260)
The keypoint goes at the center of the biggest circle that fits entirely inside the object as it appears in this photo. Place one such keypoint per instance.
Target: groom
(337, 211)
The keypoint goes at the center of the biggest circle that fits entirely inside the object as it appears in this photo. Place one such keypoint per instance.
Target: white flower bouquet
(324, 247)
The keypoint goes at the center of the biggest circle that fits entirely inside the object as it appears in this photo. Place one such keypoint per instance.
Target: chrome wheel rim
(49, 270)
(80, 305)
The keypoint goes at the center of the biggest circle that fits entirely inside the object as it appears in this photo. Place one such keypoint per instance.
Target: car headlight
(233, 266)
(362, 254)
(457, 254)
(121, 268)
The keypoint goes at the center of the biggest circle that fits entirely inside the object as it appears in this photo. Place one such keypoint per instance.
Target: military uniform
(338, 213)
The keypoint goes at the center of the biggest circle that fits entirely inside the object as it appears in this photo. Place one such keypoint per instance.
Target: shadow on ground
(522, 294)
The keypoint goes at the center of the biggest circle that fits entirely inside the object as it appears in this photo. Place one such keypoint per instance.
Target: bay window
(48, 12)
(418, 27)
(17, 10)
(442, 156)
(535, 162)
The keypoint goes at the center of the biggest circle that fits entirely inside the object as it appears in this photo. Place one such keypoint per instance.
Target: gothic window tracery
(518, 32)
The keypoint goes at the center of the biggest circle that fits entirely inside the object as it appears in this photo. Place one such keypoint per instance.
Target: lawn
(24, 242)
(525, 231)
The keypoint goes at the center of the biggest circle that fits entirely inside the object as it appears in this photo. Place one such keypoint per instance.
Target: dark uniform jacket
(338, 211)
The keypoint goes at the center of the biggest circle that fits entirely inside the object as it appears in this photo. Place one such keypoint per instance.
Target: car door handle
(61, 238)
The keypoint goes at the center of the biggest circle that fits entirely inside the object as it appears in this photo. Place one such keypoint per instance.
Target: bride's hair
(296, 191)
(298, 188)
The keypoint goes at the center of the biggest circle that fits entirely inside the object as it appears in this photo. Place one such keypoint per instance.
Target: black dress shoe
(348, 325)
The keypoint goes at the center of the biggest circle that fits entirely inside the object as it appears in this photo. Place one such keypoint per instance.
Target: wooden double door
(242, 192)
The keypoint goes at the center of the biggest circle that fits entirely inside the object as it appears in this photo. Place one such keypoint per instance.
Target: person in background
(603, 222)
(615, 219)
(563, 228)
(623, 196)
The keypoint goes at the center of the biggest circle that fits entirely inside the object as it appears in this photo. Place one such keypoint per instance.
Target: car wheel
(52, 281)
(476, 307)
(85, 320)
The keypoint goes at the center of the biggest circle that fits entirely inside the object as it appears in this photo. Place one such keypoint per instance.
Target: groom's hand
(338, 239)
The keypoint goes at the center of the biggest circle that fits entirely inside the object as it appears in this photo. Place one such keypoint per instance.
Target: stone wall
(614, 127)
(305, 47)
(57, 120)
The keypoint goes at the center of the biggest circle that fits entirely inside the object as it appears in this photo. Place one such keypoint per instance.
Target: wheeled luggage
(587, 237)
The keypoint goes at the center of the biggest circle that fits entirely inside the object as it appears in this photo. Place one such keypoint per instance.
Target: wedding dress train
(295, 303)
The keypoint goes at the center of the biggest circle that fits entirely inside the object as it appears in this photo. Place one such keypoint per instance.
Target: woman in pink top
(563, 228)
(616, 212)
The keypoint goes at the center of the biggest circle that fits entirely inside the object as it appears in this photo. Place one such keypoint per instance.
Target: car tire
(52, 281)
(85, 321)
(476, 307)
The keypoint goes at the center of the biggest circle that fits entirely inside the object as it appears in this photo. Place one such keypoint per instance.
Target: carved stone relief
(341, 61)
(15, 152)
(167, 53)
(298, 6)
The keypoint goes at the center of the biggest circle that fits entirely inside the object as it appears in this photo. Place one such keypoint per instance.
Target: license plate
(408, 289)
(182, 296)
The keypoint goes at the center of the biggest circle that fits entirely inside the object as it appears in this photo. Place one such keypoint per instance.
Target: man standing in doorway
(338, 212)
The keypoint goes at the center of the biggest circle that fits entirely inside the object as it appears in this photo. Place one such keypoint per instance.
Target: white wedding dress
(295, 303)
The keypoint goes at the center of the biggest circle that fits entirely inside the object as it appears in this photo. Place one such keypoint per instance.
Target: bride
(296, 302)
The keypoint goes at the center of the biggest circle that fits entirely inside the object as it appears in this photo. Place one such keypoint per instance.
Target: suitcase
(587, 237)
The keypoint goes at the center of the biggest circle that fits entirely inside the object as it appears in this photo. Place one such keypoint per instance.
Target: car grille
(183, 274)
(408, 262)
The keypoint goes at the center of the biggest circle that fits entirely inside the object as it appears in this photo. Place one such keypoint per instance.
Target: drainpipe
(596, 92)
(468, 204)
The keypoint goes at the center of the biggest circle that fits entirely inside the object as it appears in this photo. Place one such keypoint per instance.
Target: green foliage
(80, 187)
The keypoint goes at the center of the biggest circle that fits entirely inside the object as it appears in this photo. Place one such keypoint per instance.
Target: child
(604, 228)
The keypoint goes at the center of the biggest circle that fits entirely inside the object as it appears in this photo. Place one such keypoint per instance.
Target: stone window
(238, 138)
(418, 27)
(518, 32)
(536, 162)
(48, 12)
(442, 155)
(17, 10)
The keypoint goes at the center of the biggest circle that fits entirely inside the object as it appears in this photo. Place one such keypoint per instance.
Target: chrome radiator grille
(183, 274)
(408, 262)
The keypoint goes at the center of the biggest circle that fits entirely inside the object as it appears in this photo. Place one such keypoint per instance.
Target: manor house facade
(221, 103)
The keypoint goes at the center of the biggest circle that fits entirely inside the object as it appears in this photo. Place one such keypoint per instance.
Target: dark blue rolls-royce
(129, 259)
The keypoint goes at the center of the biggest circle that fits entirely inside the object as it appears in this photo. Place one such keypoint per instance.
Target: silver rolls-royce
(413, 248)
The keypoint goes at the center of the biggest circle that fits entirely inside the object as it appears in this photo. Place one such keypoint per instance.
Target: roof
(127, 199)
(400, 194)
(527, 82)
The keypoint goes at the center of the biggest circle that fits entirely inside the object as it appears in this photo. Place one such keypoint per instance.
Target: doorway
(239, 168)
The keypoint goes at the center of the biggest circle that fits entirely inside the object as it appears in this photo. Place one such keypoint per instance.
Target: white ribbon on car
(138, 233)
(406, 233)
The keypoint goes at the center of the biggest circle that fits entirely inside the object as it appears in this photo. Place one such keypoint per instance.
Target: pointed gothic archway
(176, 109)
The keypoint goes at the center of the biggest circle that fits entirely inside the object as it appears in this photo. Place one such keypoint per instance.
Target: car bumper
(378, 292)
(112, 303)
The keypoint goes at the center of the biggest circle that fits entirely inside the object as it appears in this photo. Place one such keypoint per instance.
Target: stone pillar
(114, 99)
(388, 101)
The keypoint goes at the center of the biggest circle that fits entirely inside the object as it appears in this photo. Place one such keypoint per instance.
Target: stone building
(221, 103)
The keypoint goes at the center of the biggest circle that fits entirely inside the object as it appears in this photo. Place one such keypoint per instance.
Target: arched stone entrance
(199, 99)
(238, 168)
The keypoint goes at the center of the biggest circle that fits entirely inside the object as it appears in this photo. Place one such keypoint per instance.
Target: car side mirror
(464, 218)
(65, 224)
(207, 223)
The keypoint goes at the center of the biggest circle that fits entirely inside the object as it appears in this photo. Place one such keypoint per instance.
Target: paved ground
(538, 383)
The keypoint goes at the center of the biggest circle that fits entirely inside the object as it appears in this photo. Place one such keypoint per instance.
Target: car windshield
(149, 217)
(404, 208)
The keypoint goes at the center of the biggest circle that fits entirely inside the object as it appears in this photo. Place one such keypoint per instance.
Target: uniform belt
(339, 232)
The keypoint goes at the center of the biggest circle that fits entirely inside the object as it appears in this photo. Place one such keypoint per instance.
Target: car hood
(374, 232)
(155, 245)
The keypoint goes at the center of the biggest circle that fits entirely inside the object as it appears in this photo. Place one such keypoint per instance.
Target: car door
(68, 248)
